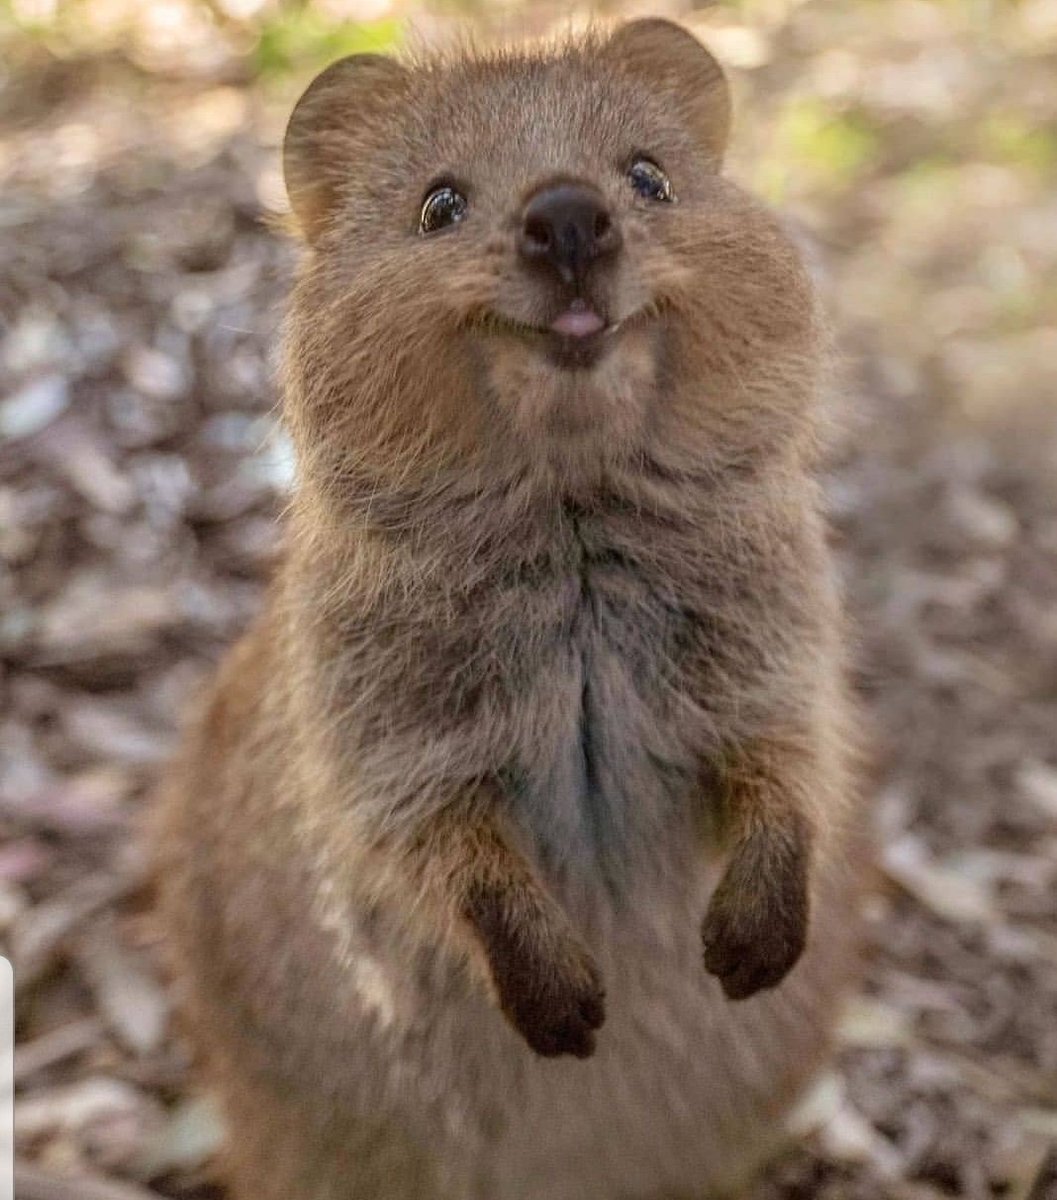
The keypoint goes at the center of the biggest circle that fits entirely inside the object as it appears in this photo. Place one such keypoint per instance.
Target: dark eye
(650, 181)
(443, 206)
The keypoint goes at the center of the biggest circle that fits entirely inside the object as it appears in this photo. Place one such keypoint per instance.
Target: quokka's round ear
(348, 96)
(674, 63)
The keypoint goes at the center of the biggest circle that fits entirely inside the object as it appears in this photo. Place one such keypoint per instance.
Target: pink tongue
(578, 323)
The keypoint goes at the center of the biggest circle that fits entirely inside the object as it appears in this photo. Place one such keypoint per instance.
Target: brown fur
(545, 644)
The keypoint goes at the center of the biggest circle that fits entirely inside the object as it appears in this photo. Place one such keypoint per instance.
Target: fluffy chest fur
(559, 658)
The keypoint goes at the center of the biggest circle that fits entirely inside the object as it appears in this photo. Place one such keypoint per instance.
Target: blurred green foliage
(1012, 138)
(293, 39)
(275, 39)
(817, 145)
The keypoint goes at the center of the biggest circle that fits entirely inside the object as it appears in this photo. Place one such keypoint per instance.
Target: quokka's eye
(650, 181)
(443, 206)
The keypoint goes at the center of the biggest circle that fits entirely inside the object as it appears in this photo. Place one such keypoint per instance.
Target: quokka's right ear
(342, 101)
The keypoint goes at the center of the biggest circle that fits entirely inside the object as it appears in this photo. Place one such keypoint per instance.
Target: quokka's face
(529, 237)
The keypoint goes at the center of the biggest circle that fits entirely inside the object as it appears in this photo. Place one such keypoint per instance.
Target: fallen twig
(53, 1047)
(37, 937)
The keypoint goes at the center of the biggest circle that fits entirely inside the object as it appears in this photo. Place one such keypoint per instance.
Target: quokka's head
(532, 260)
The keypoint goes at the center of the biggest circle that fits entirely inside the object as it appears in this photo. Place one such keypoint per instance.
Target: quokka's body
(548, 691)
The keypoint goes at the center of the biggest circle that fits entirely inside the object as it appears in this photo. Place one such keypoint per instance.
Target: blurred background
(914, 144)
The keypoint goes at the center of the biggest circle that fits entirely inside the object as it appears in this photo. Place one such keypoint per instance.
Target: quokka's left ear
(673, 62)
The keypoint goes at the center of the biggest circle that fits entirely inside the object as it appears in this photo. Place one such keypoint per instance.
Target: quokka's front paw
(555, 1003)
(756, 925)
(547, 983)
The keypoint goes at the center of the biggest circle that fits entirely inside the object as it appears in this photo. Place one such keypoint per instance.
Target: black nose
(569, 227)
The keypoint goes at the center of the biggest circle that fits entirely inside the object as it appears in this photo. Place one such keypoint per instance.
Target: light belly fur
(682, 1098)
(685, 1091)
(436, 1096)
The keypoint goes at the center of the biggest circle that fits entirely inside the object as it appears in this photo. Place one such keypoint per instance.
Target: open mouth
(575, 340)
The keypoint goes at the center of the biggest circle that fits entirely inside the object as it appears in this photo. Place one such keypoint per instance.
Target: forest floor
(141, 473)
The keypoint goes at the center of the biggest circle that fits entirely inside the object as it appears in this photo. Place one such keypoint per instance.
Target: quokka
(507, 858)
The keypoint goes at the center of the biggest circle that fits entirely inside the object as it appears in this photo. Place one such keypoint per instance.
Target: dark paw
(547, 985)
(747, 959)
(756, 926)
(558, 1010)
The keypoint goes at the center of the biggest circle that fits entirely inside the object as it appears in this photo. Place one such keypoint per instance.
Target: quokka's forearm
(541, 975)
(757, 922)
